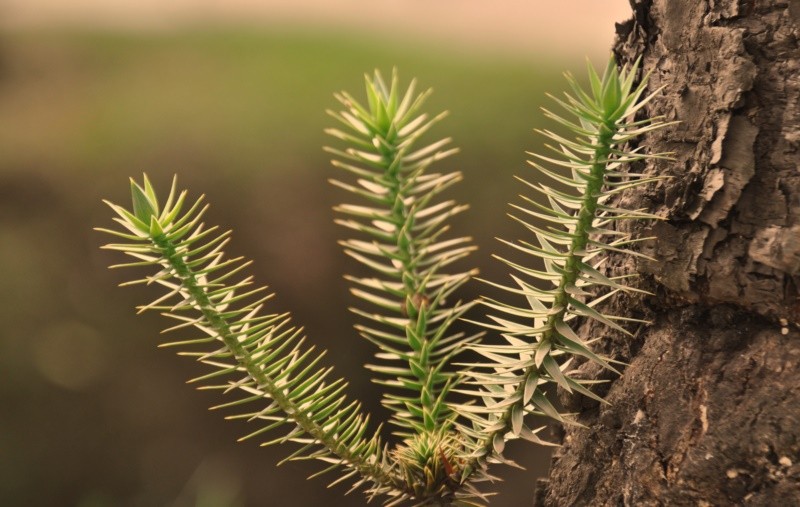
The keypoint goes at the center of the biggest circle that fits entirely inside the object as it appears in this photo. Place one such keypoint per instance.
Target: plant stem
(580, 236)
(415, 300)
(222, 327)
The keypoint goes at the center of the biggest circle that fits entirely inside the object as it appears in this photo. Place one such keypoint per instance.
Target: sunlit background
(230, 96)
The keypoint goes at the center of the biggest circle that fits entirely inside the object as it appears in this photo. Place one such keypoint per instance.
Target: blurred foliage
(94, 415)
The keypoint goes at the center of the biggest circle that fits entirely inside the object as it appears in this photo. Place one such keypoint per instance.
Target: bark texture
(708, 411)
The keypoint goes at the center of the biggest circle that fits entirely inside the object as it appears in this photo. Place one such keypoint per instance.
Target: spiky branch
(261, 356)
(539, 350)
(404, 228)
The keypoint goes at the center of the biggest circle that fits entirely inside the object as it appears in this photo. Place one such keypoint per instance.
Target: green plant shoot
(400, 222)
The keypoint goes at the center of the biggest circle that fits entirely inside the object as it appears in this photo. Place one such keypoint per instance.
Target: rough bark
(708, 411)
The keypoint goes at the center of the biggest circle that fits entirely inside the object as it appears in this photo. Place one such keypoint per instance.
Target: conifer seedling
(398, 221)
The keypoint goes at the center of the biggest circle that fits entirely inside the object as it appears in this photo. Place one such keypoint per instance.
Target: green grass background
(92, 413)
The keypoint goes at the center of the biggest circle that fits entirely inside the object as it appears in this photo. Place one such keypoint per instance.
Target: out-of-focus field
(91, 413)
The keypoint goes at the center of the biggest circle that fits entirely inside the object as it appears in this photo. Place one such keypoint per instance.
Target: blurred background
(230, 96)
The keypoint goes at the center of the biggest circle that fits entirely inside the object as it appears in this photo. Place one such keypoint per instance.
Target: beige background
(560, 26)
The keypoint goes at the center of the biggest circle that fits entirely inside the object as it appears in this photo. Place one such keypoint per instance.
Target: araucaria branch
(400, 224)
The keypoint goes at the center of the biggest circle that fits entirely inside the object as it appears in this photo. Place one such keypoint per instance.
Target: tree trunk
(708, 411)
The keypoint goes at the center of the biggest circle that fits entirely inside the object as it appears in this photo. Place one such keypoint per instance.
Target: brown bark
(708, 411)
